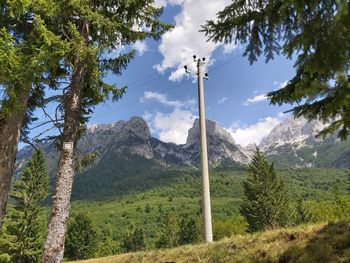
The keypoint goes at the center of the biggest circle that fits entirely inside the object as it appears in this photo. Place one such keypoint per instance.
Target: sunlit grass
(308, 243)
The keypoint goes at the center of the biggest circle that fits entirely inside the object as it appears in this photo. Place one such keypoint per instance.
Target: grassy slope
(182, 194)
(310, 243)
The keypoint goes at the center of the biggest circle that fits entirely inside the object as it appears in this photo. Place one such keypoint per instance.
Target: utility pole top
(200, 62)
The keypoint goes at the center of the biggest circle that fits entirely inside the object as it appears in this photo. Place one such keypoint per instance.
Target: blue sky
(160, 91)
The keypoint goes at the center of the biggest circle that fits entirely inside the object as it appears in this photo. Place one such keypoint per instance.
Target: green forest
(113, 215)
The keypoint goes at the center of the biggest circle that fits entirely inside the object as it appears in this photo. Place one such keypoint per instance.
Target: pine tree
(29, 57)
(189, 229)
(316, 32)
(82, 237)
(266, 203)
(23, 231)
(93, 29)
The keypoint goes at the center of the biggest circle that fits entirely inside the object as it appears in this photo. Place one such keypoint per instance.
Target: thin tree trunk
(10, 133)
(54, 243)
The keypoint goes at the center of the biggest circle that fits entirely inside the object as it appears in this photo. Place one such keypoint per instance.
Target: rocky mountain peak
(221, 146)
(292, 131)
(292, 143)
(213, 130)
(139, 127)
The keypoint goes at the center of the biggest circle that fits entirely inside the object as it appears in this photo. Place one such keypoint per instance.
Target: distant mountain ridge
(134, 138)
(291, 143)
(294, 143)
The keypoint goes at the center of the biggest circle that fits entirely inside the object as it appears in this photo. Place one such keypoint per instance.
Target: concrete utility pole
(206, 206)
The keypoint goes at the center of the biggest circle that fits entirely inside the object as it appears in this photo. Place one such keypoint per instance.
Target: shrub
(229, 227)
(133, 240)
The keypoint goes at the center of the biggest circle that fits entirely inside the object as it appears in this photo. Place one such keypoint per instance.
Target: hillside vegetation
(308, 243)
(146, 207)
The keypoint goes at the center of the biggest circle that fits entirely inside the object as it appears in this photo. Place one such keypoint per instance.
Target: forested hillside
(146, 201)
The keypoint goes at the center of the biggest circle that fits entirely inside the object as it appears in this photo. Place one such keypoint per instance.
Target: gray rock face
(293, 143)
(221, 146)
(125, 139)
(131, 136)
(296, 132)
(290, 144)
(134, 137)
(213, 129)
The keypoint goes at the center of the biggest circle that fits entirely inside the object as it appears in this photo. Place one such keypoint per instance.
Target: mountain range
(292, 143)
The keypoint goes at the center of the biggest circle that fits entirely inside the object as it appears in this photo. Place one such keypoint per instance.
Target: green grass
(304, 244)
(183, 194)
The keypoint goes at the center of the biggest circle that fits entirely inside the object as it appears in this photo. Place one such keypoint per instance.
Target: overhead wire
(132, 86)
(134, 102)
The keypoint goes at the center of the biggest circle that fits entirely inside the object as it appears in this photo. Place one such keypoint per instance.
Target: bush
(148, 208)
(227, 228)
(177, 229)
(133, 240)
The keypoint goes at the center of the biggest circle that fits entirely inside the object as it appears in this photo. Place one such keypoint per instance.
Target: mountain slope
(294, 143)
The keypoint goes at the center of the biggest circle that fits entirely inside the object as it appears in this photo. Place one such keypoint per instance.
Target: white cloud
(254, 133)
(147, 116)
(179, 45)
(222, 100)
(255, 99)
(229, 48)
(172, 126)
(263, 97)
(141, 47)
(160, 3)
(163, 99)
(283, 84)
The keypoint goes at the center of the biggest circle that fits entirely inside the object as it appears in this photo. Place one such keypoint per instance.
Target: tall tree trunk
(10, 133)
(54, 243)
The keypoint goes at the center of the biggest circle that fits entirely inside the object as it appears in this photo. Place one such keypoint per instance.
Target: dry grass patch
(309, 243)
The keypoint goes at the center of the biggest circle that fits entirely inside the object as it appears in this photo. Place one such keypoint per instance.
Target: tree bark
(10, 133)
(54, 243)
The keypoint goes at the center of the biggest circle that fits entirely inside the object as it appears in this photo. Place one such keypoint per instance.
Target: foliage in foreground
(314, 32)
(178, 229)
(23, 231)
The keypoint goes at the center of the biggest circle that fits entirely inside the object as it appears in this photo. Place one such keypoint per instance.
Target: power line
(168, 88)
(134, 102)
(139, 83)
(143, 81)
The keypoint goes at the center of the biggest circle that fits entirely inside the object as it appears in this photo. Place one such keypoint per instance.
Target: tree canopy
(266, 203)
(316, 33)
